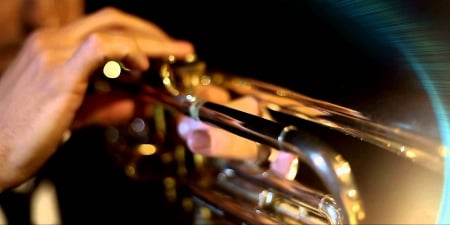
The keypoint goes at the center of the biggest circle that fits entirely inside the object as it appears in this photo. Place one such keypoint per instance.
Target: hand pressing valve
(212, 141)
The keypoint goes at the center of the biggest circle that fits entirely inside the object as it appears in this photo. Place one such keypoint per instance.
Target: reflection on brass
(247, 193)
(180, 77)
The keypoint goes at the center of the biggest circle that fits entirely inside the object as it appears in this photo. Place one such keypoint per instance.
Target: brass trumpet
(249, 193)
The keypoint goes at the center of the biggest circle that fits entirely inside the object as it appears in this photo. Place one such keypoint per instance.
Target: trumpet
(249, 193)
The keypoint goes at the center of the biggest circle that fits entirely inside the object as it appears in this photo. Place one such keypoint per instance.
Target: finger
(101, 47)
(217, 142)
(110, 18)
(109, 109)
(215, 94)
(285, 164)
(214, 141)
(162, 48)
(188, 124)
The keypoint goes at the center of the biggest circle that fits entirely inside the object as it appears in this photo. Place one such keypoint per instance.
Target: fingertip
(187, 45)
(182, 48)
(183, 127)
(199, 141)
(188, 124)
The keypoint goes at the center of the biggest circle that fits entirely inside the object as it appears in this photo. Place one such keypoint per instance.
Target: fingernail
(183, 128)
(186, 46)
(188, 125)
(200, 141)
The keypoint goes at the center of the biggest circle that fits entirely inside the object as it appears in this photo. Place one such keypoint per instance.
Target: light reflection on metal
(180, 82)
(112, 69)
(279, 100)
(325, 162)
(146, 149)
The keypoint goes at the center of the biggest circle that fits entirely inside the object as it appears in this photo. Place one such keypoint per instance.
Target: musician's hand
(43, 90)
(44, 13)
(212, 141)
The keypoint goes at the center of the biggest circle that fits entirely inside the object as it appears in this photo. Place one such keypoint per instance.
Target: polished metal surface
(245, 192)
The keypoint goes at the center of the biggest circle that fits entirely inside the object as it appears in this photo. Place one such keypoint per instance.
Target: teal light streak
(440, 111)
(424, 53)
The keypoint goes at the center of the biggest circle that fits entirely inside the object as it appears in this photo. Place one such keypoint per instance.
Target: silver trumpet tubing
(333, 170)
(411, 146)
(278, 201)
(248, 193)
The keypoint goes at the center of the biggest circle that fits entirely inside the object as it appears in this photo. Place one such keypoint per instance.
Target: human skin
(43, 86)
(43, 89)
(209, 140)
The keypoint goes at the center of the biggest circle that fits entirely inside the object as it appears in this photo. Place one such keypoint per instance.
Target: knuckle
(110, 12)
(45, 58)
(95, 41)
(37, 41)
